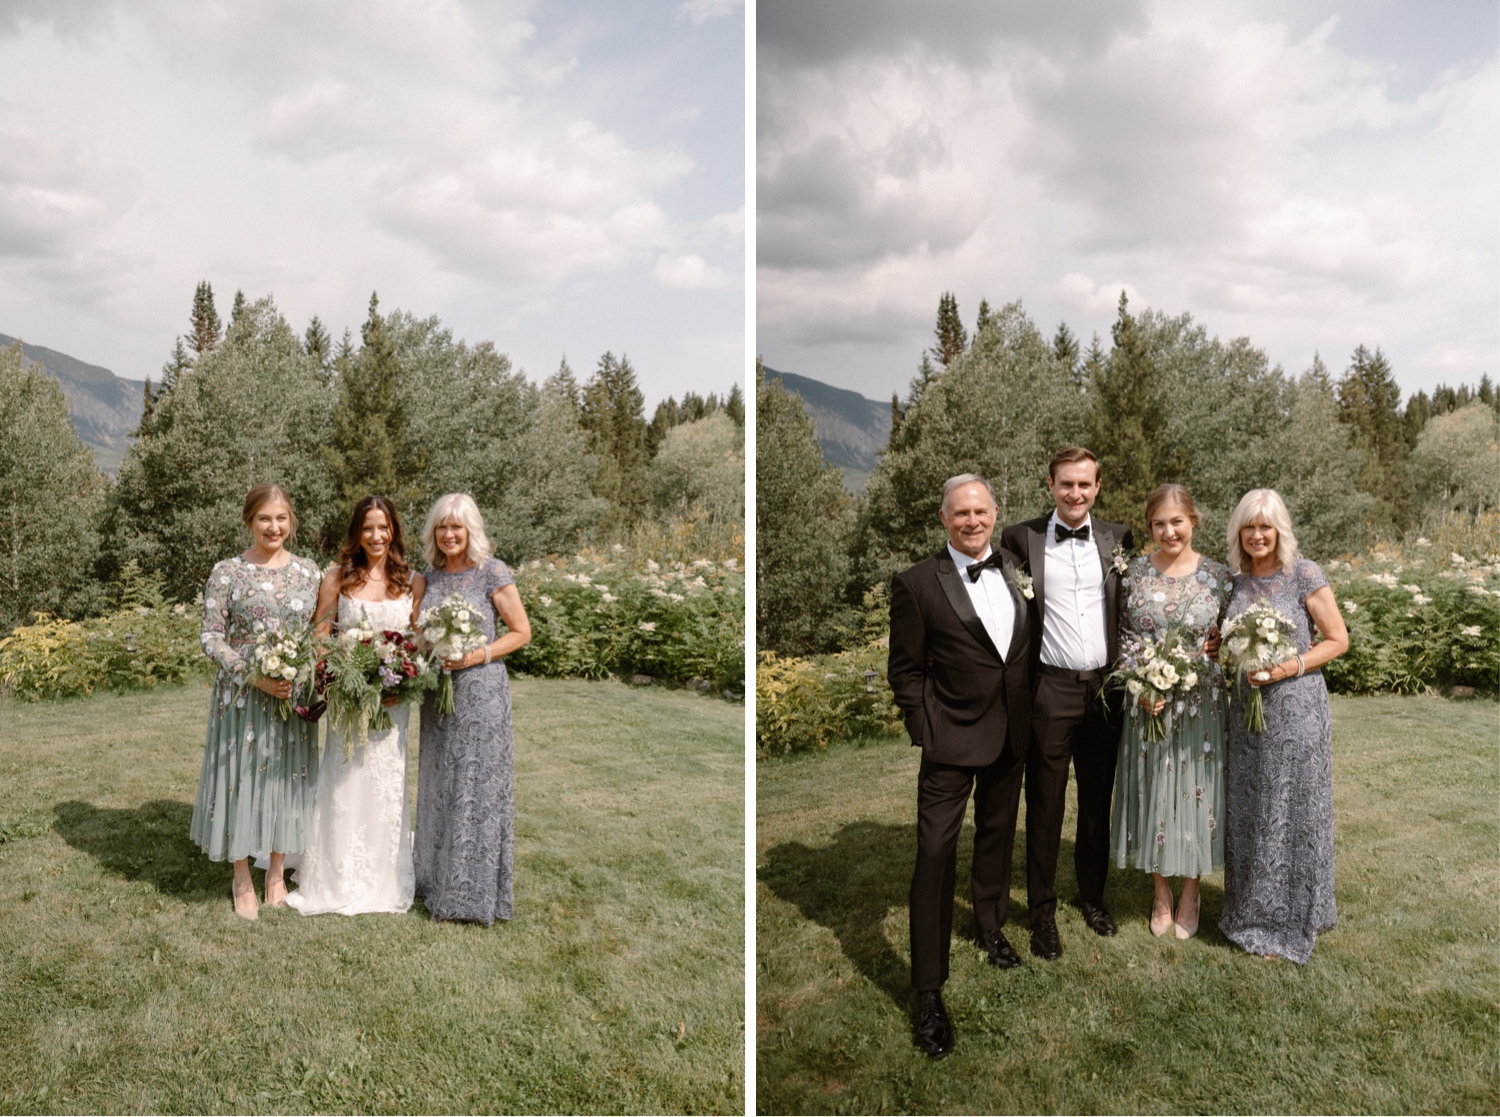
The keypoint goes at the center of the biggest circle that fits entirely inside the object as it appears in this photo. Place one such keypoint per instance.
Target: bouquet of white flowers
(1157, 670)
(451, 630)
(284, 653)
(1255, 640)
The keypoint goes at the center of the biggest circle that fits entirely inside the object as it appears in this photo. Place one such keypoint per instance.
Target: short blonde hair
(1262, 505)
(460, 508)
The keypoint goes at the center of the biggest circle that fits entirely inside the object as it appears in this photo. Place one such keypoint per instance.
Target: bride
(359, 848)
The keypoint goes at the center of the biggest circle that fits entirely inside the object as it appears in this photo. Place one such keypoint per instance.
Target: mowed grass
(127, 984)
(1396, 1013)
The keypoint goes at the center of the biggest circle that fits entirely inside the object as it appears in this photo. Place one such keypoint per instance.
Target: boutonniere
(1022, 582)
(1118, 560)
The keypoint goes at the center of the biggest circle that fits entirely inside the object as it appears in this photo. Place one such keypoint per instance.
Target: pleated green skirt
(255, 793)
(1169, 795)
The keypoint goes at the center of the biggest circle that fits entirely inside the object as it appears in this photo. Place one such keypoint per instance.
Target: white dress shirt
(1073, 622)
(991, 598)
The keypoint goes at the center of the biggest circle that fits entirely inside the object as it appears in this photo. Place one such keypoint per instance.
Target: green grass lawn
(127, 984)
(1396, 1013)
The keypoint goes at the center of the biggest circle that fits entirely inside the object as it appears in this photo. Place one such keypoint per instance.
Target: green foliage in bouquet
(144, 642)
(803, 704)
(599, 614)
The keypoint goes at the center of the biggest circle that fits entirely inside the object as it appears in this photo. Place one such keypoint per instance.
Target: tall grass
(1396, 1013)
(130, 986)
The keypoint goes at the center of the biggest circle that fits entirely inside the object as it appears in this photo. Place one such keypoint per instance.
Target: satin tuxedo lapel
(1036, 558)
(1104, 539)
(953, 589)
(1021, 633)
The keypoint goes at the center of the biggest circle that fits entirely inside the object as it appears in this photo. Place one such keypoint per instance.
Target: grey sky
(557, 178)
(1312, 175)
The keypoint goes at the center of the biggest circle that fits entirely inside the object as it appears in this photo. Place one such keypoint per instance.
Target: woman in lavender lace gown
(465, 807)
(255, 791)
(1278, 848)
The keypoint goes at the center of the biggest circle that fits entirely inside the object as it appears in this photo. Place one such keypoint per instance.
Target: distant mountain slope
(851, 429)
(104, 407)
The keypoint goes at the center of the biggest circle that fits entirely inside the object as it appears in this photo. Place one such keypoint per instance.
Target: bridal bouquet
(363, 668)
(1157, 670)
(1255, 640)
(285, 653)
(451, 630)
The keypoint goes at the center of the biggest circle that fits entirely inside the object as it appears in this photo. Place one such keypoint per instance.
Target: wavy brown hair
(354, 564)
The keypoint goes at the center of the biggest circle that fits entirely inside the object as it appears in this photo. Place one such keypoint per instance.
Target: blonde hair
(1256, 506)
(460, 508)
(1171, 493)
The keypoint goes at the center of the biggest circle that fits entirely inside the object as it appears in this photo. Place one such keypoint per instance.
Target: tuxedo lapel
(1104, 539)
(1036, 558)
(1018, 636)
(952, 582)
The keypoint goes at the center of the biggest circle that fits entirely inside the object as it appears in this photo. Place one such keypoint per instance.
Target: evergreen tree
(667, 415)
(1065, 349)
(206, 333)
(1125, 425)
(367, 450)
(176, 365)
(927, 374)
(951, 338)
(734, 407)
(237, 309)
(50, 495)
(984, 318)
(565, 386)
(318, 345)
(802, 516)
(1320, 488)
(1370, 406)
(614, 416)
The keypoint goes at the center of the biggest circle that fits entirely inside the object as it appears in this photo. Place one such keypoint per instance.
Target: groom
(1075, 563)
(959, 670)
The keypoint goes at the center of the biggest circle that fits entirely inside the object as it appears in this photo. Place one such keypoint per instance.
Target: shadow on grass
(149, 843)
(849, 886)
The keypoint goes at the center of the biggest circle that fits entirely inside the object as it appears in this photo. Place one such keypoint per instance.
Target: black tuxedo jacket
(961, 700)
(1029, 539)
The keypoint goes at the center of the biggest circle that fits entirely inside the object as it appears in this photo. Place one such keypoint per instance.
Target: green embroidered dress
(255, 793)
(1169, 795)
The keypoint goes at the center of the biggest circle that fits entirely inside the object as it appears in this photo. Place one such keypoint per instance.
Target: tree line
(405, 410)
(1165, 402)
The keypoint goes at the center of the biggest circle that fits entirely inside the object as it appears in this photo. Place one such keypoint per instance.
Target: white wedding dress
(359, 855)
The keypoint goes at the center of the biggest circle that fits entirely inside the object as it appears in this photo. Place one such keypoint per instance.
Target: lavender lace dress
(1278, 848)
(465, 805)
(255, 792)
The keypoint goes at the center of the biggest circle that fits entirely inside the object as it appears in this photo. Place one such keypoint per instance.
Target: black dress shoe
(934, 1033)
(1044, 941)
(1000, 952)
(1097, 918)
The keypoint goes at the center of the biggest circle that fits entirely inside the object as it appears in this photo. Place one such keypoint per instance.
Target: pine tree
(367, 450)
(951, 338)
(667, 415)
(734, 407)
(1125, 425)
(565, 385)
(1370, 405)
(1065, 349)
(206, 333)
(319, 346)
(237, 309)
(984, 318)
(614, 416)
(176, 365)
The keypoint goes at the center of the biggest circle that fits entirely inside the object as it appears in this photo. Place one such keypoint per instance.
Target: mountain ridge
(851, 429)
(104, 408)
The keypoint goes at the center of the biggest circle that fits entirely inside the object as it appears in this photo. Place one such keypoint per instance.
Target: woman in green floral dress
(1169, 795)
(255, 793)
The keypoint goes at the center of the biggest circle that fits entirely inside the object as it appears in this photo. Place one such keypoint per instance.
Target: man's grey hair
(965, 479)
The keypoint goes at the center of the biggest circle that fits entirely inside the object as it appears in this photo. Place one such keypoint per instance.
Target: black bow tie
(977, 568)
(1066, 533)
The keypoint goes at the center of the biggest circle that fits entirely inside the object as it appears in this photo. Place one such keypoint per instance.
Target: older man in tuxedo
(1075, 563)
(959, 669)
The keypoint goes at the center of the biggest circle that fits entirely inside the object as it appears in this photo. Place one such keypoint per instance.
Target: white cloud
(688, 273)
(701, 11)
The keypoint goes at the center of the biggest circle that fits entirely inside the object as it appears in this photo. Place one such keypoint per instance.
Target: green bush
(803, 704)
(1419, 619)
(602, 613)
(145, 642)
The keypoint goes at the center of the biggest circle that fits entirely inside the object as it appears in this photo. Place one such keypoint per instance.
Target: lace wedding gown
(359, 848)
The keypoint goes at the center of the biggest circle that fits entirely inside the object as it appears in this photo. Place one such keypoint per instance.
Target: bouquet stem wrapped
(1255, 640)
